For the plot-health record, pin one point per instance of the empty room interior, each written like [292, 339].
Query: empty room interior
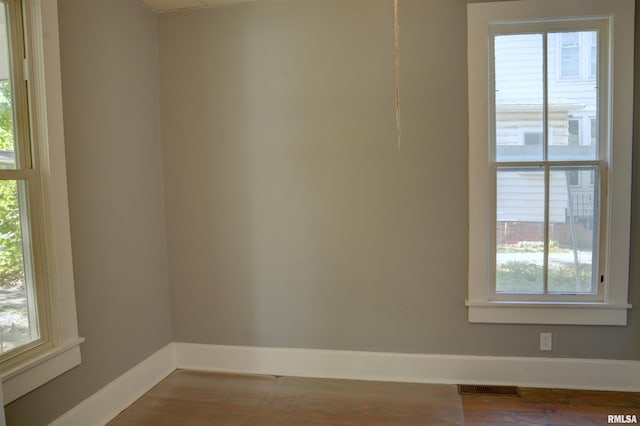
[291, 188]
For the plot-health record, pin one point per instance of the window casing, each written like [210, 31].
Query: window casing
[529, 201]
[37, 167]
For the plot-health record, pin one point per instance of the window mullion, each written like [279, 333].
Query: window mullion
[546, 228]
[545, 100]
[545, 157]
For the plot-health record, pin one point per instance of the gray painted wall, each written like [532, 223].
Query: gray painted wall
[110, 96]
[293, 218]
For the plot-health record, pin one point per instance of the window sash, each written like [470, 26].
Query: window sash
[37, 291]
[600, 162]
[546, 168]
[27, 171]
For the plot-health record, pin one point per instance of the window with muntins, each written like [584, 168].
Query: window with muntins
[542, 246]
[24, 321]
[38, 327]
[544, 243]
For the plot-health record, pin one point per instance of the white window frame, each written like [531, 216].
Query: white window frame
[612, 309]
[42, 68]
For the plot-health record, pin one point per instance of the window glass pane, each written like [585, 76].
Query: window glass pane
[571, 102]
[593, 59]
[18, 316]
[520, 212]
[518, 97]
[7, 146]
[572, 227]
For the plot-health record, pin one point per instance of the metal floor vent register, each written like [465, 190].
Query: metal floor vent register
[488, 390]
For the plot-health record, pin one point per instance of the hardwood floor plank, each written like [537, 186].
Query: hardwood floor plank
[549, 407]
[195, 398]
[363, 402]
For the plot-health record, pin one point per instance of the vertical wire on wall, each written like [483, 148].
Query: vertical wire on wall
[396, 39]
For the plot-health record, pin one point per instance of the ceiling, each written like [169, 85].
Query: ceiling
[168, 5]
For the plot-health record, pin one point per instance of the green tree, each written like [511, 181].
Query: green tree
[11, 262]
[6, 117]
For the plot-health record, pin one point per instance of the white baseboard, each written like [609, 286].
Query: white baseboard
[109, 401]
[566, 373]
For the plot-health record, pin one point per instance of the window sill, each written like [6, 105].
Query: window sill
[547, 313]
[40, 370]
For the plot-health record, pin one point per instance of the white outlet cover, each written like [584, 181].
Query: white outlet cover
[546, 340]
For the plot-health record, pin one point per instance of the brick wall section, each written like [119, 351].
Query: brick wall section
[515, 232]
[511, 233]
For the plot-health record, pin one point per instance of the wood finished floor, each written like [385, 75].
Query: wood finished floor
[194, 398]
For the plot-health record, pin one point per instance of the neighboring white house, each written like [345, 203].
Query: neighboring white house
[572, 67]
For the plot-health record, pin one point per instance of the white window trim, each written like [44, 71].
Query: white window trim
[47, 126]
[613, 310]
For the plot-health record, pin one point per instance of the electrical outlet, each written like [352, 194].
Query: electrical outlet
[545, 341]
